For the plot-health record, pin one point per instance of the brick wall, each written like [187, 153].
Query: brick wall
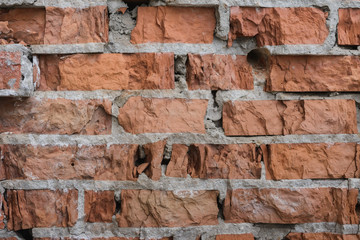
[179, 120]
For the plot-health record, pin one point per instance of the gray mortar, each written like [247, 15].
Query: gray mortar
[68, 48]
[121, 25]
[26, 87]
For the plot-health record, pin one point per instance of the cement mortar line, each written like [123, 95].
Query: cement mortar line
[172, 138]
[53, 3]
[68, 48]
[94, 230]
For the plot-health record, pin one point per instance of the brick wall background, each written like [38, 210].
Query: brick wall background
[178, 119]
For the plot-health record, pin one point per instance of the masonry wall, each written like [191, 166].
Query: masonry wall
[176, 119]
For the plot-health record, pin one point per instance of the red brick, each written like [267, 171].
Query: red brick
[247, 236]
[161, 115]
[314, 73]
[270, 117]
[154, 153]
[289, 206]
[89, 72]
[349, 26]
[10, 68]
[55, 116]
[174, 24]
[41, 208]
[279, 26]
[99, 206]
[320, 236]
[230, 161]
[98, 162]
[71, 25]
[154, 208]
[218, 72]
[23, 25]
[2, 216]
[312, 161]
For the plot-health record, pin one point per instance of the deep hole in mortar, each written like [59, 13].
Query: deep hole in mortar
[259, 58]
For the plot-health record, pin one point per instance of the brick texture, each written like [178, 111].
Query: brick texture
[348, 27]
[10, 68]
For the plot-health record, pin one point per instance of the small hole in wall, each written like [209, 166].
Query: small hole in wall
[140, 157]
[133, 4]
[72, 164]
[258, 58]
[25, 234]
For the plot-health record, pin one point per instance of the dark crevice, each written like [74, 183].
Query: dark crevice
[133, 4]
[166, 155]
[140, 157]
[220, 204]
[117, 205]
[259, 58]
[25, 234]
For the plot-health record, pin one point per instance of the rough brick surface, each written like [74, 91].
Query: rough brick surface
[312, 160]
[288, 206]
[41, 208]
[314, 73]
[10, 68]
[279, 26]
[218, 72]
[235, 237]
[89, 72]
[174, 24]
[55, 116]
[349, 26]
[231, 161]
[114, 162]
[70, 25]
[2, 215]
[99, 206]
[22, 25]
[156, 115]
[321, 236]
[154, 208]
[154, 153]
[289, 117]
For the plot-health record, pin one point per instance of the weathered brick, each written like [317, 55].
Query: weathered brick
[41, 208]
[99, 206]
[279, 26]
[231, 161]
[154, 208]
[10, 68]
[291, 206]
[174, 24]
[218, 72]
[71, 25]
[89, 72]
[55, 116]
[22, 25]
[348, 28]
[100, 162]
[270, 117]
[161, 115]
[2, 216]
[321, 236]
[154, 155]
[247, 236]
[314, 73]
[312, 160]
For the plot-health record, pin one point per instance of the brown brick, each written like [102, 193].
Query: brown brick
[98, 162]
[314, 73]
[71, 25]
[154, 208]
[2, 216]
[312, 161]
[10, 68]
[55, 116]
[161, 115]
[99, 206]
[231, 161]
[349, 26]
[270, 117]
[41, 208]
[320, 236]
[279, 26]
[22, 25]
[111, 71]
[288, 206]
[218, 72]
[174, 24]
[247, 236]
[154, 153]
